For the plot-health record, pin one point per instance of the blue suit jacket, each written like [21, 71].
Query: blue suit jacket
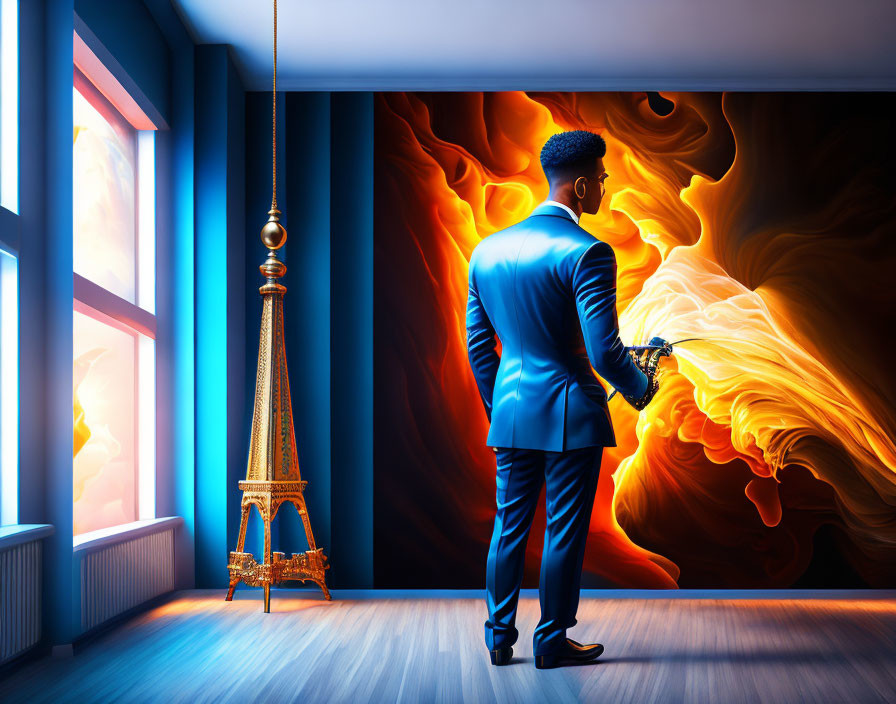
[547, 288]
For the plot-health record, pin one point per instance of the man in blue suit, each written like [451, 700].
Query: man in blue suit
[547, 289]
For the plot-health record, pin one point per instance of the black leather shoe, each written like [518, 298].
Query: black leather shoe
[501, 656]
[572, 654]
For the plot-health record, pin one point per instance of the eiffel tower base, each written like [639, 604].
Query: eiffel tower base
[309, 566]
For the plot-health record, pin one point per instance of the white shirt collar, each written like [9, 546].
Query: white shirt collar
[575, 218]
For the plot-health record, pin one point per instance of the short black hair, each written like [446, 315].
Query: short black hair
[567, 152]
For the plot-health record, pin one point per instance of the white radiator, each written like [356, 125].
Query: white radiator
[119, 576]
[20, 585]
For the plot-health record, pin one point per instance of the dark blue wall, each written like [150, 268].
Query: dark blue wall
[32, 273]
[326, 195]
[45, 284]
[175, 295]
[59, 290]
[221, 443]
[306, 131]
[351, 337]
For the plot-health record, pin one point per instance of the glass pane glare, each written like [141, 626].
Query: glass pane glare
[105, 166]
[9, 390]
[104, 405]
[9, 105]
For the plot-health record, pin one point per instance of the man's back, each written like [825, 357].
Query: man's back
[539, 284]
[547, 289]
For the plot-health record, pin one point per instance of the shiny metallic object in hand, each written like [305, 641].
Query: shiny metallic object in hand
[647, 357]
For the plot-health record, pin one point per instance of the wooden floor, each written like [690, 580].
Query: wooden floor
[197, 648]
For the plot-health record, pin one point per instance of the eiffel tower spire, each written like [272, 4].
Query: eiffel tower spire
[272, 444]
[272, 471]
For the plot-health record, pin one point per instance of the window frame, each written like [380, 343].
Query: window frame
[138, 318]
[9, 262]
[9, 105]
[9, 386]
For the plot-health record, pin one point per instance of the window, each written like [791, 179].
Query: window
[9, 284]
[105, 197]
[114, 314]
[9, 105]
[9, 390]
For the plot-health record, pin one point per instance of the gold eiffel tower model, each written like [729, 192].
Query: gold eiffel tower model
[272, 474]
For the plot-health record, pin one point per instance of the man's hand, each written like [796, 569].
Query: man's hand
[641, 403]
[653, 384]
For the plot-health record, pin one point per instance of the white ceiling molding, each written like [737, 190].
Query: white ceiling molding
[561, 45]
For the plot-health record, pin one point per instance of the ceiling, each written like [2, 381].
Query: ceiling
[557, 45]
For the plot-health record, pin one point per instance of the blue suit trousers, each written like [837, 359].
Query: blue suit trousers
[570, 481]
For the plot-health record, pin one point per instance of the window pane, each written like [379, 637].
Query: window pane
[104, 162]
[105, 456]
[9, 104]
[9, 390]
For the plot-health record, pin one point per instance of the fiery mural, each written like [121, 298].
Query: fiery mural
[763, 224]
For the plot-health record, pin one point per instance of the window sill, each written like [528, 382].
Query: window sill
[96, 539]
[10, 536]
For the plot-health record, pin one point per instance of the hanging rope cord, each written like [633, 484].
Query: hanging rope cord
[274, 120]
